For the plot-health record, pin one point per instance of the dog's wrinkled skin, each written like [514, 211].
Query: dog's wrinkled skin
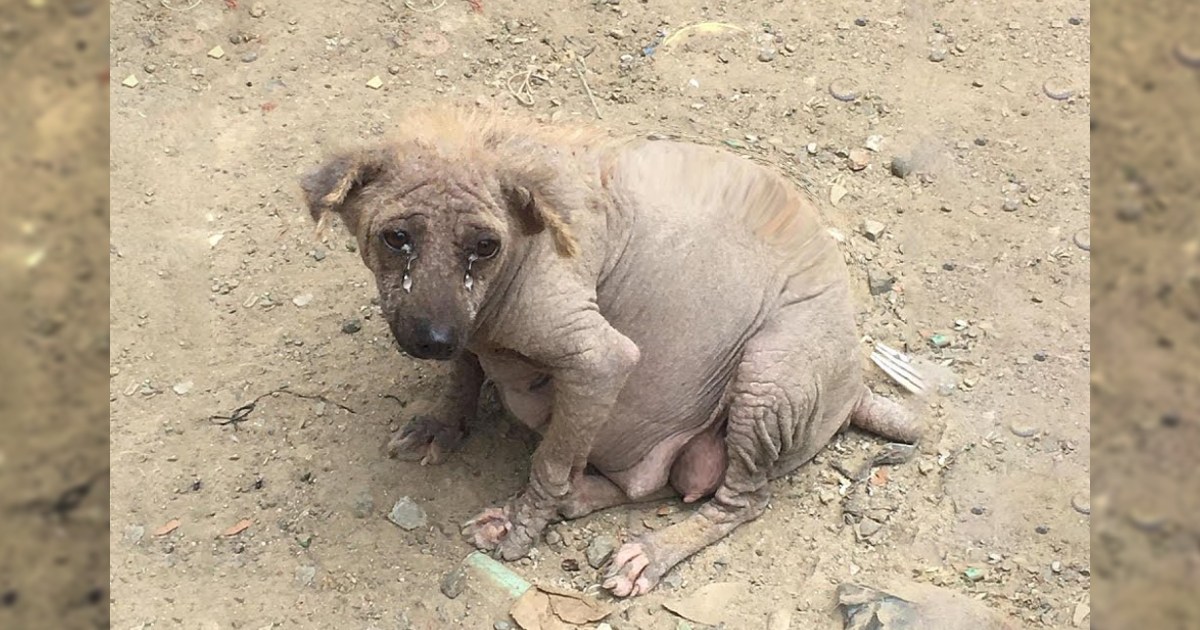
[669, 314]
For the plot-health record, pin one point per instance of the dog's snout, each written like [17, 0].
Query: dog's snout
[434, 341]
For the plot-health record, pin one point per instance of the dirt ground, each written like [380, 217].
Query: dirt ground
[222, 295]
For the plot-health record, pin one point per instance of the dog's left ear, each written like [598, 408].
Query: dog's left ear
[333, 186]
[536, 214]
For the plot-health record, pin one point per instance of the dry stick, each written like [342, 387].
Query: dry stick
[580, 69]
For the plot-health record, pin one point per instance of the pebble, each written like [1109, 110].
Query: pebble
[766, 55]
[130, 81]
[873, 143]
[860, 21]
[1074, 21]
[452, 583]
[859, 159]
[407, 515]
[217, 52]
[257, 10]
[375, 82]
[937, 55]
[1057, 88]
[873, 230]
[504, 625]
[393, 69]
[351, 326]
[869, 527]
[134, 533]
[302, 300]
[150, 68]
[1082, 503]
[1083, 239]
[879, 282]
[1042, 529]
[600, 550]
[305, 575]
[182, 388]
[843, 90]
[1011, 205]
[1022, 428]
[250, 57]
[900, 167]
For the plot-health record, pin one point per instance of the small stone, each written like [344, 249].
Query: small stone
[973, 574]
[925, 466]
[873, 230]
[149, 68]
[978, 511]
[504, 625]
[305, 575]
[375, 82]
[843, 90]
[981, 142]
[452, 583]
[1042, 530]
[257, 10]
[1082, 503]
[250, 57]
[302, 300]
[869, 527]
[1083, 239]
[130, 81]
[1074, 21]
[351, 326]
[1011, 205]
[217, 52]
[407, 515]
[393, 69]
[767, 55]
[1056, 566]
[134, 533]
[319, 254]
[879, 282]
[860, 21]
[901, 167]
[1022, 428]
[874, 142]
[937, 55]
[1057, 88]
[859, 159]
[600, 550]
[182, 388]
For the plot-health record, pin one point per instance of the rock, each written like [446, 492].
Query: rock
[351, 326]
[859, 159]
[1083, 239]
[879, 282]
[452, 583]
[302, 300]
[873, 143]
[393, 69]
[869, 527]
[1022, 428]
[873, 230]
[913, 606]
[600, 550]
[1011, 205]
[305, 575]
[1082, 503]
[900, 167]
[767, 55]
[216, 52]
[134, 533]
[843, 90]
[502, 625]
[182, 388]
[257, 10]
[375, 82]
[130, 81]
[937, 55]
[407, 515]
[250, 57]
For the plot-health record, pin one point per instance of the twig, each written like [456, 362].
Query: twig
[240, 414]
[580, 69]
[409, 5]
[67, 500]
[524, 93]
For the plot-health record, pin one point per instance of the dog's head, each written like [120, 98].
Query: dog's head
[439, 229]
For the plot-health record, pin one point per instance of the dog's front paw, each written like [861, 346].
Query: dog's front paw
[510, 531]
[426, 439]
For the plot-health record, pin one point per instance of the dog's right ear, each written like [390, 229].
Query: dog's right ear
[333, 185]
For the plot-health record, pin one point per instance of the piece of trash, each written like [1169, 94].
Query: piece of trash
[217, 52]
[546, 607]
[167, 528]
[709, 605]
[703, 28]
[913, 606]
[973, 574]
[238, 527]
[130, 81]
[938, 340]
[375, 82]
[916, 375]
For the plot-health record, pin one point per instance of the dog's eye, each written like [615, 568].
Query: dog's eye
[397, 240]
[486, 248]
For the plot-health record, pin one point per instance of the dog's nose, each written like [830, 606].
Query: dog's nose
[434, 341]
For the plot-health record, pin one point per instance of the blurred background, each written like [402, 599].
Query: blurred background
[54, 314]
[1146, 313]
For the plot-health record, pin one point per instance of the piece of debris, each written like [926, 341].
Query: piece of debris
[544, 607]
[692, 30]
[375, 82]
[452, 583]
[302, 300]
[710, 604]
[843, 90]
[130, 81]
[238, 527]
[913, 606]
[879, 282]
[182, 389]
[600, 550]
[351, 326]
[167, 528]
[873, 230]
[836, 193]
[407, 515]
[900, 167]
[858, 159]
[217, 52]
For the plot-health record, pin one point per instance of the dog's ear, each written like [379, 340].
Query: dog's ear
[535, 214]
[331, 186]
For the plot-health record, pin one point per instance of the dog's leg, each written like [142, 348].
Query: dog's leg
[590, 362]
[438, 427]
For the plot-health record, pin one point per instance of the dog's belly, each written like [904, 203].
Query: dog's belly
[525, 392]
